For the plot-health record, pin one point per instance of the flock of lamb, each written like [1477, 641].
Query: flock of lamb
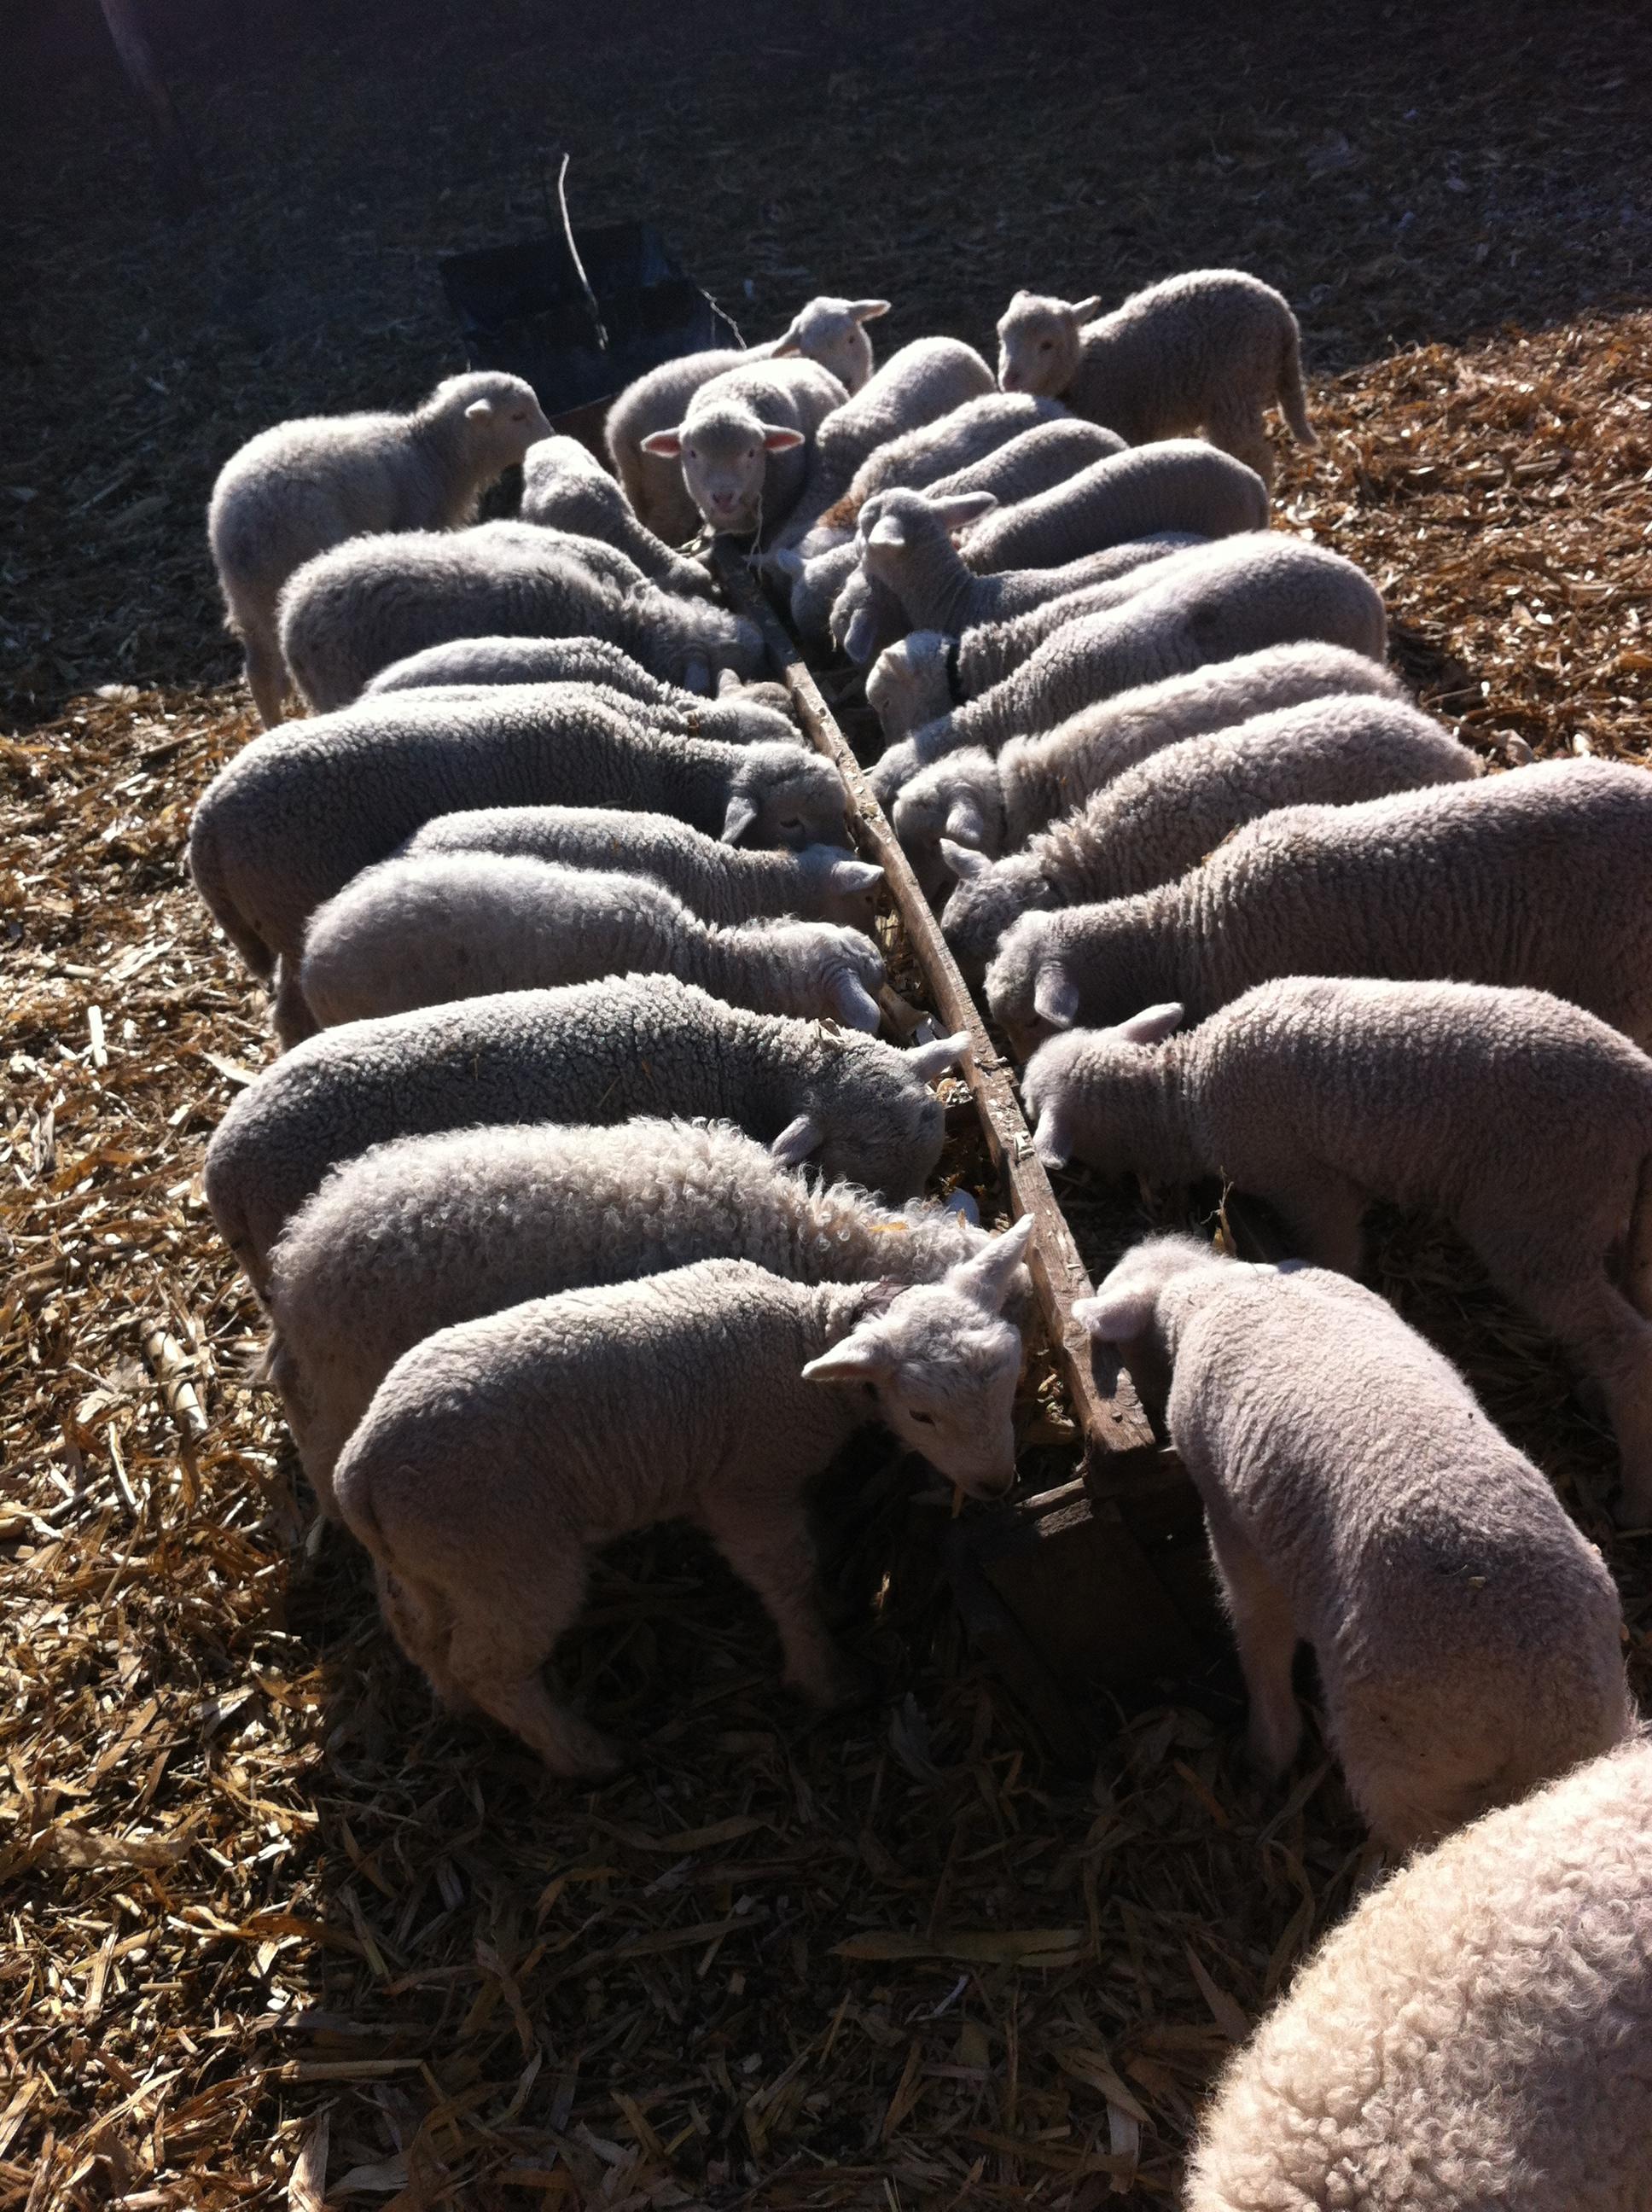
[585, 1195]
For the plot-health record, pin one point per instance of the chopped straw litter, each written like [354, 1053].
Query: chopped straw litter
[278, 1932]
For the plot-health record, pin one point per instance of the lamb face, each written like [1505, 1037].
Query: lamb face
[1038, 343]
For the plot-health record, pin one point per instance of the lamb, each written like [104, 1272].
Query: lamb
[745, 442]
[1057, 750]
[471, 660]
[907, 543]
[1034, 802]
[829, 331]
[566, 487]
[499, 1454]
[419, 930]
[1161, 817]
[855, 1107]
[719, 883]
[1475, 2033]
[1357, 1498]
[812, 584]
[916, 671]
[936, 449]
[282, 828]
[351, 612]
[745, 714]
[922, 383]
[1541, 878]
[1208, 351]
[1321, 1096]
[422, 1233]
[1212, 603]
[295, 490]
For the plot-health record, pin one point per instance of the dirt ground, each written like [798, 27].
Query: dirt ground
[275, 1930]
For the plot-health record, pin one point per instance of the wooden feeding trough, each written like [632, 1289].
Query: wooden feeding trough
[1104, 1580]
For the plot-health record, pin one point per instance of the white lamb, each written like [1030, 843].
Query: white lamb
[294, 490]
[1323, 1095]
[829, 331]
[1214, 603]
[374, 601]
[1162, 816]
[934, 450]
[1209, 350]
[745, 442]
[721, 882]
[922, 383]
[1357, 1500]
[1474, 2034]
[565, 487]
[845, 1102]
[1541, 878]
[421, 1233]
[498, 1455]
[424, 930]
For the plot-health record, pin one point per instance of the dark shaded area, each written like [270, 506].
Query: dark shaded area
[1403, 172]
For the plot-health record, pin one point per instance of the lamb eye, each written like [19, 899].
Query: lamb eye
[927, 1419]
[1044, 344]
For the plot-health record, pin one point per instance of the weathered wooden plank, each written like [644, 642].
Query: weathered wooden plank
[1127, 1475]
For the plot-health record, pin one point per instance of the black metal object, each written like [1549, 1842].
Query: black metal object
[581, 315]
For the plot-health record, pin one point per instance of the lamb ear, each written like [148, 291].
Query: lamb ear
[989, 1274]
[478, 411]
[855, 1003]
[1116, 1316]
[742, 813]
[966, 861]
[1055, 995]
[960, 507]
[1152, 1026]
[964, 825]
[861, 636]
[888, 530]
[800, 1137]
[786, 561]
[855, 875]
[786, 349]
[938, 1059]
[858, 1359]
[1051, 1139]
[664, 445]
[777, 439]
[1085, 310]
[867, 310]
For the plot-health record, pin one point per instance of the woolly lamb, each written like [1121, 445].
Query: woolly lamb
[719, 883]
[1162, 816]
[1357, 1498]
[1212, 603]
[745, 442]
[417, 931]
[934, 450]
[869, 623]
[1023, 801]
[566, 487]
[1209, 351]
[922, 383]
[812, 584]
[417, 1235]
[827, 330]
[471, 660]
[294, 490]
[282, 828]
[351, 612]
[854, 1107]
[1474, 2034]
[1321, 1096]
[1541, 878]
[906, 539]
[742, 714]
[1057, 750]
[497, 1456]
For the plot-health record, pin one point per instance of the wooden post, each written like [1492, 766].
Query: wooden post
[180, 178]
[1080, 1582]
